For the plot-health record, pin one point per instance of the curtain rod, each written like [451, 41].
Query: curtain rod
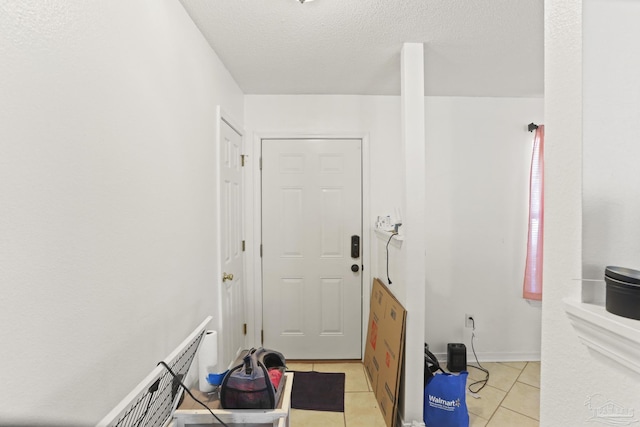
[532, 127]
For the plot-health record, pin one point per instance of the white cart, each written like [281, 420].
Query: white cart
[190, 413]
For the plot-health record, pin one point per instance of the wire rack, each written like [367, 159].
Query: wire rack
[152, 402]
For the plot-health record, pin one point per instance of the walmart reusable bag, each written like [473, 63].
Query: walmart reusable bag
[445, 404]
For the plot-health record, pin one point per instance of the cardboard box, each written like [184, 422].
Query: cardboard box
[384, 350]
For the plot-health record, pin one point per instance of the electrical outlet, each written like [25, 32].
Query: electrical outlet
[469, 320]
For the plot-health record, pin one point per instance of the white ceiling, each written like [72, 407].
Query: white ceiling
[472, 47]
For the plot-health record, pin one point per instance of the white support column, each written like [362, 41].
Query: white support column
[413, 142]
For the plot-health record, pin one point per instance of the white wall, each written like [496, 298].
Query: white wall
[605, 231]
[478, 157]
[611, 153]
[478, 160]
[107, 190]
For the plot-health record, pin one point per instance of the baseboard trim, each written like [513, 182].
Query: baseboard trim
[494, 357]
[402, 423]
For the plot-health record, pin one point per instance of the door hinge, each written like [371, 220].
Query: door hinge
[244, 328]
[260, 250]
[261, 337]
[243, 246]
[260, 163]
[242, 156]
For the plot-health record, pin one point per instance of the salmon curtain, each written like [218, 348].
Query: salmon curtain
[532, 288]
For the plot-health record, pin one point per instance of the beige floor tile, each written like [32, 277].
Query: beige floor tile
[524, 399]
[354, 374]
[300, 418]
[485, 406]
[531, 374]
[517, 365]
[299, 366]
[476, 421]
[361, 410]
[506, 418]
[500, 376]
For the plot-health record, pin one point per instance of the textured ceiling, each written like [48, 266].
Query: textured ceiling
[472, 47]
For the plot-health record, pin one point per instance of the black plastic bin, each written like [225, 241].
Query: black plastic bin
[623, 292]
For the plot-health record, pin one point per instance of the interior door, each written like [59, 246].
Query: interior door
[311, 229]
[232, 300]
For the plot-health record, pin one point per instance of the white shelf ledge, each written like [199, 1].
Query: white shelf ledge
[384, 235]
[617, 338]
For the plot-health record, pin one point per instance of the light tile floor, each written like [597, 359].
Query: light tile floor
[511, 397]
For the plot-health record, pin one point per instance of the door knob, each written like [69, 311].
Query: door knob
[355, 268]
[227, 276]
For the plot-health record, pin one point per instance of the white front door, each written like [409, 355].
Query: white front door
[232, 282]
[312, 280]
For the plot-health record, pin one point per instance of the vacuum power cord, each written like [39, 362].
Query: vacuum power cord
[175, 377]
[479, 367]
[389, 241]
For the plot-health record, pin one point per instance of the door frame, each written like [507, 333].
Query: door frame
[253, 230]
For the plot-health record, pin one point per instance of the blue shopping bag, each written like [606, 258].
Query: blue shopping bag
[445, 403]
